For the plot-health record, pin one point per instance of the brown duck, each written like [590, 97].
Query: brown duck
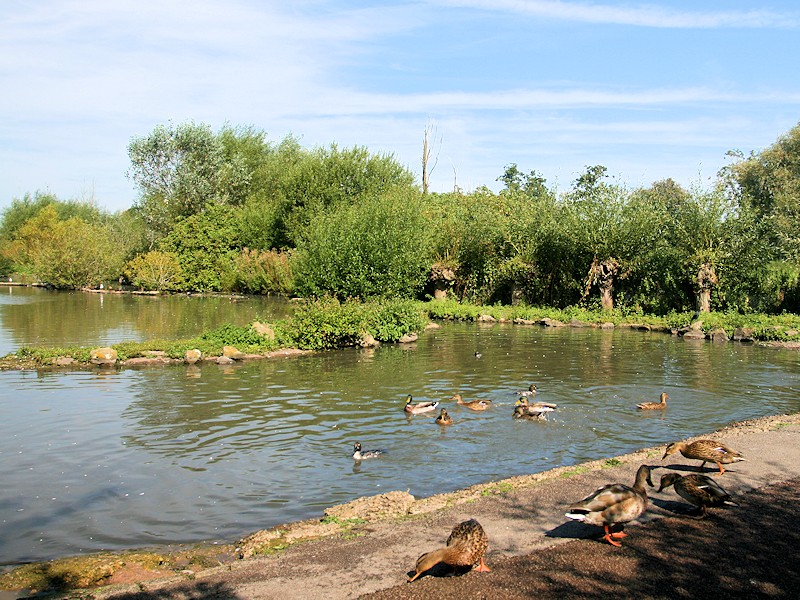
[444, 418]
[466, 546]
[707, 451]
[472, 404]
[655, 405]
[699, 490]
[613, 504]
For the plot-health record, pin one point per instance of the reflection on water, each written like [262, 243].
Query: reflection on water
[40, 317]
[175, 454]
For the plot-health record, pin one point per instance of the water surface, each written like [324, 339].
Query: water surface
[141, 457]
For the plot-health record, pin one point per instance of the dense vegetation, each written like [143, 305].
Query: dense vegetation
[232, 211]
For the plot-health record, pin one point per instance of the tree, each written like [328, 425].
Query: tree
[375, 248]
[66, 254]
[180, 170]
[607, 231]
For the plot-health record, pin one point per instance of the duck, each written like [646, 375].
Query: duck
[360, 454]
[419, 407]
[538, 410]
[531, 391]
[707, 451]
[614, 504]
[472, 404]
[465, 546]
[521, 413]
[699, 490]
[655, 405]
[444, 418]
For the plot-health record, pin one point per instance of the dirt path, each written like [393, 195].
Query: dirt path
[746, 551]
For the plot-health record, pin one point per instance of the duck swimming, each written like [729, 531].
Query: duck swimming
[359, 454]
[444, 418]
[707, 451]
[419, 407]
[537, 410]
[613, 504]
[699, 490]
[472, 404]
[466, 546]
[654, 405]
[530, 392]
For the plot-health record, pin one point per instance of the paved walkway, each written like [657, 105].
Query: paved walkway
[520, 523]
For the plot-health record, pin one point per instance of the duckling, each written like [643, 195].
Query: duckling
[531, 391]
[613, 504]
[466, 546]
[699, 490]
[655, 405]
[359, 454]
[707, 451]
[472, 404]
[444, 418]
[538, 410]
[419, 407]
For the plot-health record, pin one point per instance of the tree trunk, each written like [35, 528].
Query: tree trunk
[606, 273]
[706, 279]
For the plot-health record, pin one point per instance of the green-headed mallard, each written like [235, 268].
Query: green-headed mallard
[699, 490]
[530, 392]
[359, 454]
[655, 405]
[419, 407]
[444, 418]
[614, 504]
[538, 410]
[472, 404]
[707, 451]
[466, 546]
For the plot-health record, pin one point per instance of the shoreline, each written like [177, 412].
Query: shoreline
[375, 518]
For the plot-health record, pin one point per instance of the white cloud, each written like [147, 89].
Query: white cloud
[637, 15]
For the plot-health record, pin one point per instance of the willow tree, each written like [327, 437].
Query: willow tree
[608, 232]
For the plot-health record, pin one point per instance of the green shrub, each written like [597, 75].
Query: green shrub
[375, 248]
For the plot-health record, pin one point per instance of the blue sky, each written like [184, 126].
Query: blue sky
[648, 89]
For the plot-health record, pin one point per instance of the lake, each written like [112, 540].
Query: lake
[95, 460]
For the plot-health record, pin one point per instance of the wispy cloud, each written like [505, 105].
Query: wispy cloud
[638, 15]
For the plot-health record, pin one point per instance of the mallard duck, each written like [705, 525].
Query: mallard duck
[699, 490]
[419, 407]
[359, 454]
[655, 405]
[520, 412]
[531, 391]
[466, 546]
[537, 410]
[444, 418]
[707, 451]
[614, 504]
[472, 404]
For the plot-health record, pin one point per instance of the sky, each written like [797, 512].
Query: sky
[650, 90]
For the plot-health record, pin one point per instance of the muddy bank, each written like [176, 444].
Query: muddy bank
[370, 544]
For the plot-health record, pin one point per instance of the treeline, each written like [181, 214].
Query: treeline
[232, 211]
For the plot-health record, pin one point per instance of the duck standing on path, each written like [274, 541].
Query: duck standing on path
[360, 454]
[472, 404]
[466, 546]
[699, 490]
[613, 504]
[444, 418]
[655, 405]
[707, 451]
[419, 407]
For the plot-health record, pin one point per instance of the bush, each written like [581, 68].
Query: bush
[155, 271]
[376, 248]
[260, 272]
